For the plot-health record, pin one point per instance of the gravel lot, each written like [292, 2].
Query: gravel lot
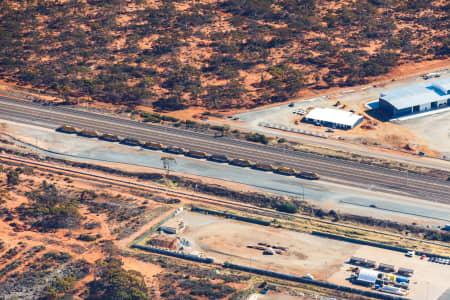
[227, 240]
[434, 129]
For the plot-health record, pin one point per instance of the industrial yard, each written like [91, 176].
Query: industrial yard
[335, 117]
[288, 252]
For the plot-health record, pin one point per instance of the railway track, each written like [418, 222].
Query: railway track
[196, 197]
[334, 170]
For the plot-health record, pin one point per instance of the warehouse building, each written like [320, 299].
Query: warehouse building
[416, 99]
[333, 118]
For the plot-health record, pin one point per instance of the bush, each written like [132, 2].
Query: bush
[61, 257]
[287, 207]
[12, 177]
[152, 119]
[117, 283]
[88, 237]
[51, 208]
[258, 138]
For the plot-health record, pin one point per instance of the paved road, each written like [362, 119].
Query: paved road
[333, 170]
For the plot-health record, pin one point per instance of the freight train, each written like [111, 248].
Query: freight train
[192, 153]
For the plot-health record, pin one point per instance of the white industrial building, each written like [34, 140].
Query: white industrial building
[416, 99]
[334, 118]
[367, 277]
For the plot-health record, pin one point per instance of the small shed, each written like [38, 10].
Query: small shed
[367, 277]
[405, 271]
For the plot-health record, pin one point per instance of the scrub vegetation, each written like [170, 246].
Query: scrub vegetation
[215, 54]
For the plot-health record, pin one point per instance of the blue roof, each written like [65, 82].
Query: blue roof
[418, 94]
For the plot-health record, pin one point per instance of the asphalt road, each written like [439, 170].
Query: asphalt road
[330, 169]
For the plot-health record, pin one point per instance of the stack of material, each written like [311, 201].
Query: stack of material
[164, 241]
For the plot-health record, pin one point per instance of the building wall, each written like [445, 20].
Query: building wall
[425, 107]
[333, 125]
[386, 107]
[393, 112]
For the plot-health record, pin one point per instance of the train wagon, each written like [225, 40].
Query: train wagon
[286, 171]
[154, 146]
[308, 175]
[89, 133]
[197, 154]
[132, 142]
[175, 150]
[219, 158]
[110, 137]
[241, 162]
[264, 167]
[67, 129]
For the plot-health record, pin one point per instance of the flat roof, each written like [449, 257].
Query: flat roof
[417, 94]
[367, 275]
[334, 116]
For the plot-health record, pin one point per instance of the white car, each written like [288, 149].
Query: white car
[410, 253]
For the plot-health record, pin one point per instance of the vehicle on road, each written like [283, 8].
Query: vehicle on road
[67, 129]
[154, 146]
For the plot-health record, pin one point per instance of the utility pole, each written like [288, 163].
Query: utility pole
[303, 192]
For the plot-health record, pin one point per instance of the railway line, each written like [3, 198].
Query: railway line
[196, 197]
[334, 170]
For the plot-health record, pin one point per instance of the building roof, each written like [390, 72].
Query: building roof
[443, 85]
[334, 116]
[367, 275]
[417, 94]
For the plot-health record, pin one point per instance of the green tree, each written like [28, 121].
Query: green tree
[114, 283]
[288, 207]
[12, 177]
